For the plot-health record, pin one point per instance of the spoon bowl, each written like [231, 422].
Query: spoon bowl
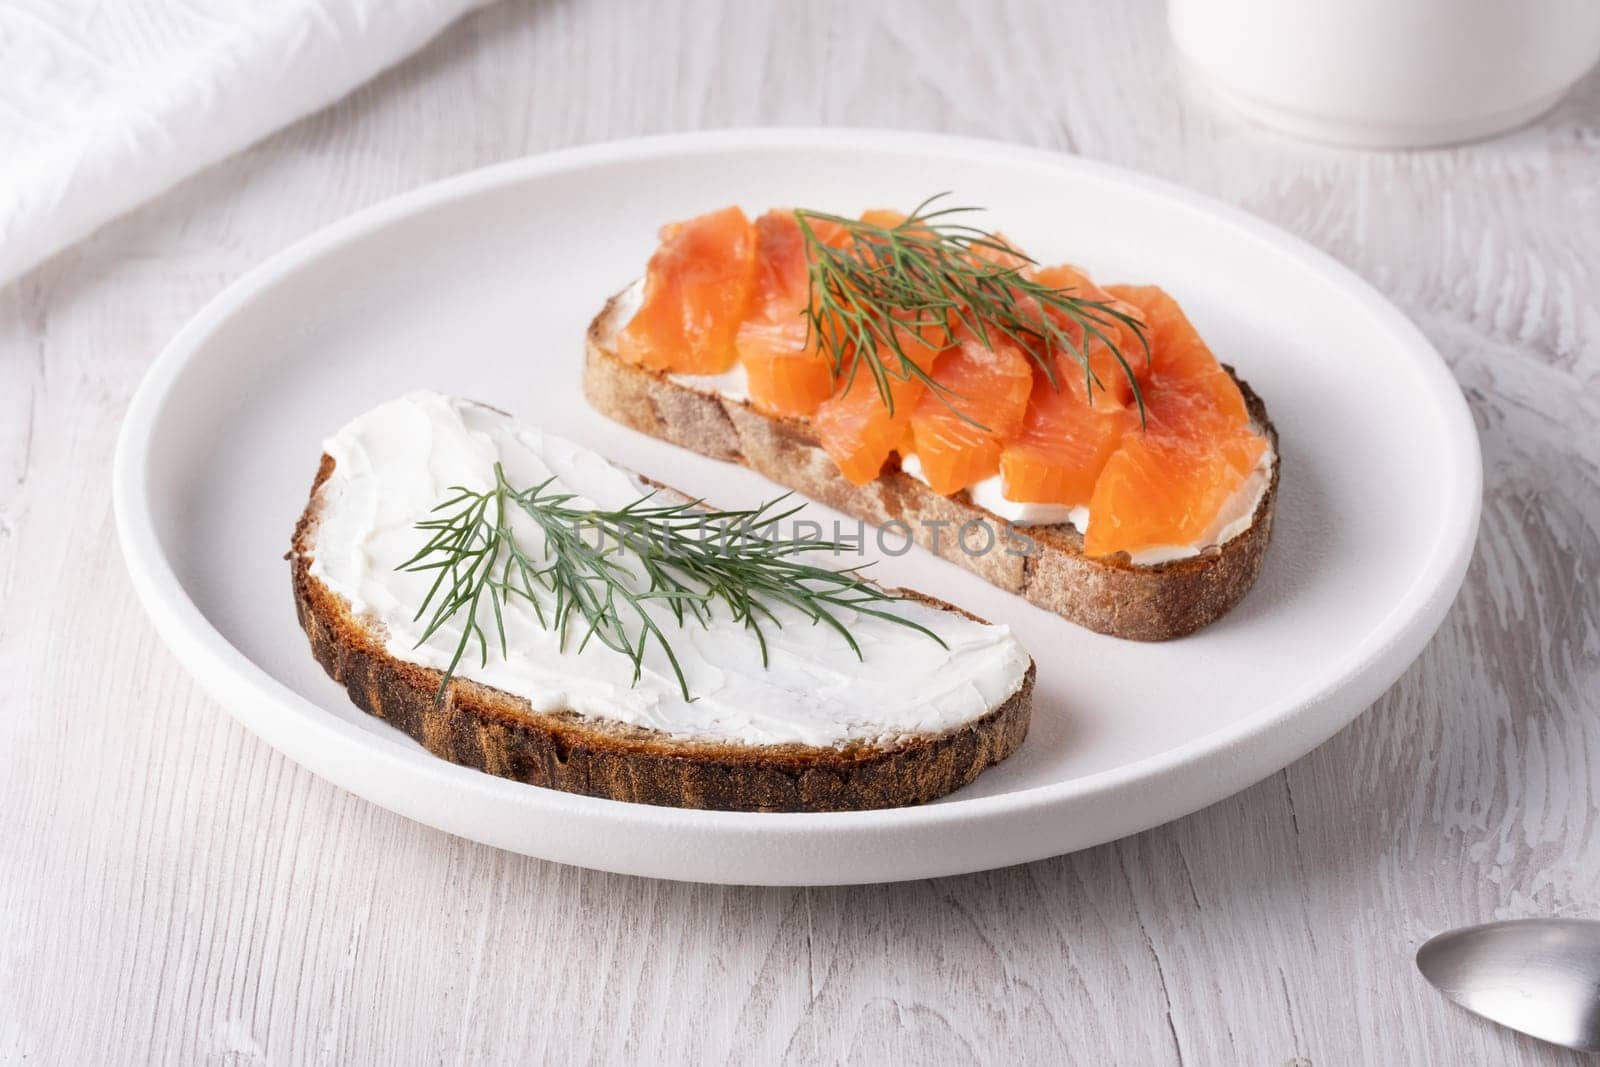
[1539, 976]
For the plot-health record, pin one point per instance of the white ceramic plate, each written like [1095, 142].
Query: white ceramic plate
[482, 285]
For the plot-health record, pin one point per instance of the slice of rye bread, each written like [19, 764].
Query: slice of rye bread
[491, 730]
[1111, 595]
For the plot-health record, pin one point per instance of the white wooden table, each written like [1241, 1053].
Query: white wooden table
[171, 889]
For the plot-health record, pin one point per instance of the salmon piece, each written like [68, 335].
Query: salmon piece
[697, 289]
[1007, 257]
[1189, 410]
[1064, 443]
[883, 217]
[782, 278]
[1158, 489]
[786, 376]
[1179, 355]
[786, 372]
[1176, 348]
[982, 397]
[1166, 485]
[1113, 389]
[1189, 393]
[858, 430]
[879, 217]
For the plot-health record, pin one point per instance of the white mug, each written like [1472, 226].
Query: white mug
[1388, 73]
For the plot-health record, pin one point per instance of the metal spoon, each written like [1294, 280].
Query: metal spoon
[1539, 976]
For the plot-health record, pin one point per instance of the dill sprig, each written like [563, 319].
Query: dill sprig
[598, 570]
[885, 286]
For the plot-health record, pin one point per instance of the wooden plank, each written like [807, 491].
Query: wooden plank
[173, 890]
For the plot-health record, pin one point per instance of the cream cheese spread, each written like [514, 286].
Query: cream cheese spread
[733, 384]
[396, 462]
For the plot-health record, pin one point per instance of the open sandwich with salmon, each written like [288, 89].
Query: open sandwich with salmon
[1077, 444]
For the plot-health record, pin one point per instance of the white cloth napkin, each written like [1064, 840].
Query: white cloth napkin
[105, 103]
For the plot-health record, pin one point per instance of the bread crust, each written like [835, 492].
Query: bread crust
[493, 731]
[1142, 602]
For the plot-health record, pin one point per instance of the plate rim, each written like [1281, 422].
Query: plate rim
[1382, 655]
